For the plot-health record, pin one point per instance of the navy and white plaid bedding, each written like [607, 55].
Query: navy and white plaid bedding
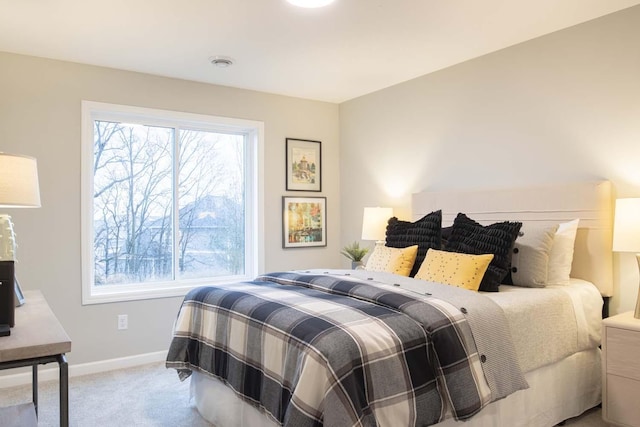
[311, 350]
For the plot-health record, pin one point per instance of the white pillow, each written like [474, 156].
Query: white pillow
[561, 255]
[530, 258]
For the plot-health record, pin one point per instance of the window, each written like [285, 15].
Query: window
[170, 201]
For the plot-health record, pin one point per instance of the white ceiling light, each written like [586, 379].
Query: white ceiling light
[310, 3]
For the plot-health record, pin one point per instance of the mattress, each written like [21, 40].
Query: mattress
[556, 333]
[556, 392]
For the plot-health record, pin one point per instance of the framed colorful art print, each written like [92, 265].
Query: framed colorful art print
[304, 222]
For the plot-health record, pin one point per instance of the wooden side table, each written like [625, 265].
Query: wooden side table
[621, 370]
[37, 339]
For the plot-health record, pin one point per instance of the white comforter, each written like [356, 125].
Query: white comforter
[551, 323]
[547, 324]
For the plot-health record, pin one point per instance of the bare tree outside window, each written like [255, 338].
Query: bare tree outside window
[170, 201]
[211, 201]
[142, 176]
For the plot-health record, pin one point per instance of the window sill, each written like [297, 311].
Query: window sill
[119, 293]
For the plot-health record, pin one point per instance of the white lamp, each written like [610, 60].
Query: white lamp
[374, 223]
[626, 233]
[18, 189]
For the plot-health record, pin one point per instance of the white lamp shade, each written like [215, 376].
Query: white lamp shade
[374, 223]
[19, 181]
[626, 227]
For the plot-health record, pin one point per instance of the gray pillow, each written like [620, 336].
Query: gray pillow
[530, 258]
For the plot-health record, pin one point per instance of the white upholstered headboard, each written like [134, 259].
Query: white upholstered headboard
[591, 202]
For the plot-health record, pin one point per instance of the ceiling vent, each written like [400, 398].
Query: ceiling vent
[221, 61]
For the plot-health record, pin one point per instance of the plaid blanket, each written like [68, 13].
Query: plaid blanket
[311, 350]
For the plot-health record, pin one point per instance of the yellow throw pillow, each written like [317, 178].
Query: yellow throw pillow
[392, 260]
[456, 269]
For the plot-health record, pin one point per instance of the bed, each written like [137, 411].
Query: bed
[555, 330]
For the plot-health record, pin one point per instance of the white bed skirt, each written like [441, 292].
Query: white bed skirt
[557, 392]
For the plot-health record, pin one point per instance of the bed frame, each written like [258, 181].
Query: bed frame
[557, 391]
[569, 387]
[592, 202]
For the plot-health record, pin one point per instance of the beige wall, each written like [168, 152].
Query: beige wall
[561, 108]
[40, 116]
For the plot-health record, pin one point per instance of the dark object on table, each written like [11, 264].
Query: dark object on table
[7, 290]
[5, 330]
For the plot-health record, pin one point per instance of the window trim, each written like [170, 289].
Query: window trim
[254, 199]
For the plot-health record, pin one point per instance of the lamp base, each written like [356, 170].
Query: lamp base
[636, 314]
[8, 253]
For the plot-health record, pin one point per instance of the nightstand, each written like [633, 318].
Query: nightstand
[37, 339]
[621, 370]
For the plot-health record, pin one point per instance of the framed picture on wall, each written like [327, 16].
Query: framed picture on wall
[304, 222]
[304, 165]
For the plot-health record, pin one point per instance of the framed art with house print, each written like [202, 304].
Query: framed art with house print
[304, 165]
[304, 222]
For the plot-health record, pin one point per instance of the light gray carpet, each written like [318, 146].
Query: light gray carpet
[149, 395]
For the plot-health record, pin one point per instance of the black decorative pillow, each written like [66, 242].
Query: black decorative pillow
[425, 233]
[446, 235]
[467, 236]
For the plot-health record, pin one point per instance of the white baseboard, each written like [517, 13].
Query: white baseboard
[84, 368]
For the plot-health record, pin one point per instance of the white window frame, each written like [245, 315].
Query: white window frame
[254, 197]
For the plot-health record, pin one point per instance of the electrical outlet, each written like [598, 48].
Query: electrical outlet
[123, 321]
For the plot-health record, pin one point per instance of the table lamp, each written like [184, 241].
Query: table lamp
[374, 224]
[18, 189]
[626, 233]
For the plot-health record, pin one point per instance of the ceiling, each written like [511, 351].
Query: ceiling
[336, 53]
